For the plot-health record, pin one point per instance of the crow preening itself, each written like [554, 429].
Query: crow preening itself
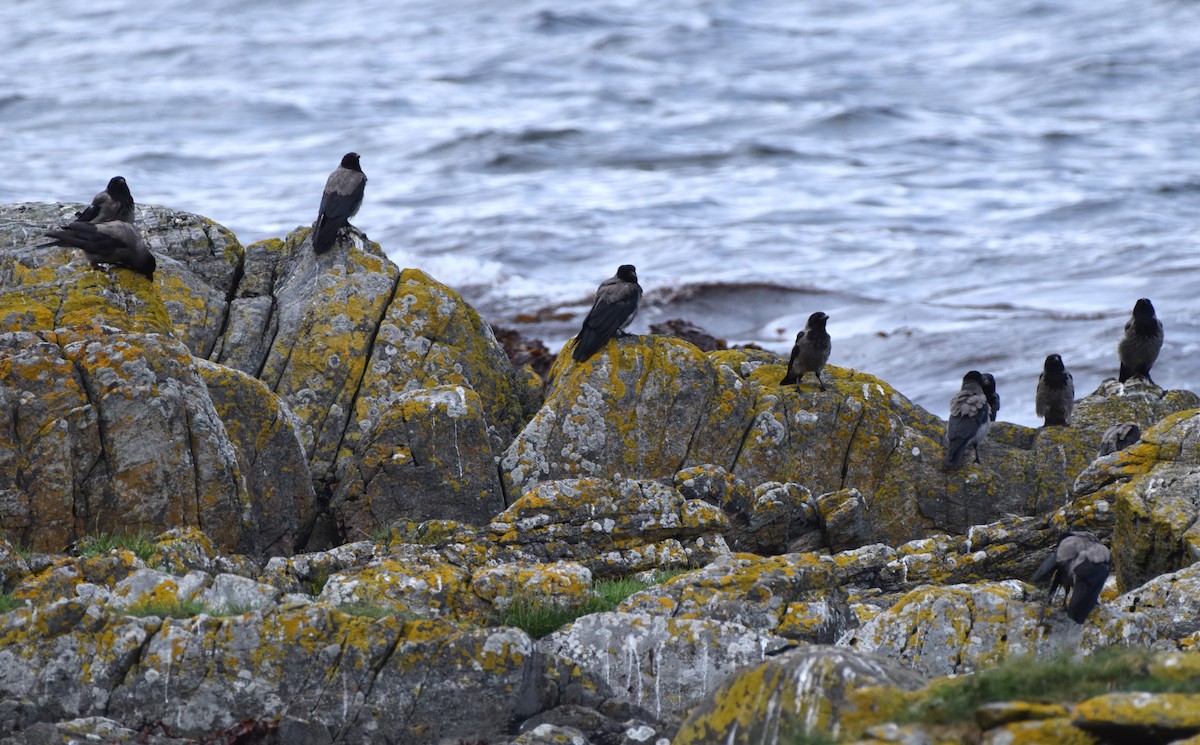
[1055, 392]
[342, 197]
[811, 351]
[989, 390]
[1080, 564]
[1119, 437]
[114, 203]
[1140, 346]
[970, 417]
[614, 309]
[114, 242]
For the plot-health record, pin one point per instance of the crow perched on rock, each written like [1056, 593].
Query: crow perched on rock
[114, 242]
[1055, 392]
[1143, 339]
[810, 352]
[114, 203]
[1080, 564]
[989, 390]
[1119, 437]
[614, 309]
[342, 197]
[970, 417]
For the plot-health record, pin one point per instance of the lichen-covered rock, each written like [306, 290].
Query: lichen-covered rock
[69, 578]
[1135, 400]
[181, 550]
[426, 458]
[803, 691]
[1155, 487]
[795, 596]
[430, 338]
[1054, 731]
[956, 629]
[663, 664]
[327, 311]
[308, 573]
[782, 517]
[416, 581]
[1136, 717]
[1164, 612]
[402, 394]
[612, 527]
[48, 287]
[271, 459]
[565, 584]
[86, 729]
[645, 407]
[116, 432]
[372, 682]
[1000, 713]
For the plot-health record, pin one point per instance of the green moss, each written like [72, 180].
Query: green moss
[8, 602]
[141, 544]
[1062, 679]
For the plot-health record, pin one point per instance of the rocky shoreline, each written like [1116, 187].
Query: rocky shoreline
[345, 485]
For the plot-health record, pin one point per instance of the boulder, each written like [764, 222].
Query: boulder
[426, 458]
[48, 287]
[652, 408]
[663, 664]
[645, 407]
[117, 432]
[802, 692]
[795, 596]
[611, 526]
[326, 314]
[1155, 488]
[956, 629]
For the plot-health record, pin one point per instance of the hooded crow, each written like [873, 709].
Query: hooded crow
[114, 203]
[1080, 565]
[969, 420]
[811, 351]
[1055, 393]
[114, 242]
[614, 309]
[989, 390]
[342, 197]
[1119, 437]
[1143, 339]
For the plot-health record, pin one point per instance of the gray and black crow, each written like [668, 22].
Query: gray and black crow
[1055, 393]
[114, 242]
[342, 197]
[114, 203]
[1119, 437]
[970, 417]
[614, 309]
[989, 390]
[1143, 339]
[1080, 564]
[810, 352]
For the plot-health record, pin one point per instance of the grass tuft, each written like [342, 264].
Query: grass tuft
[1061, 679]
[541, 617]
[8, 602]
[141, 544]
[166, 609]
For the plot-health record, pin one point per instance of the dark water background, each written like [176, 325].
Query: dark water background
[958, 184]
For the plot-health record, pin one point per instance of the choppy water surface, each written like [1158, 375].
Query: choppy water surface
[958, 184]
